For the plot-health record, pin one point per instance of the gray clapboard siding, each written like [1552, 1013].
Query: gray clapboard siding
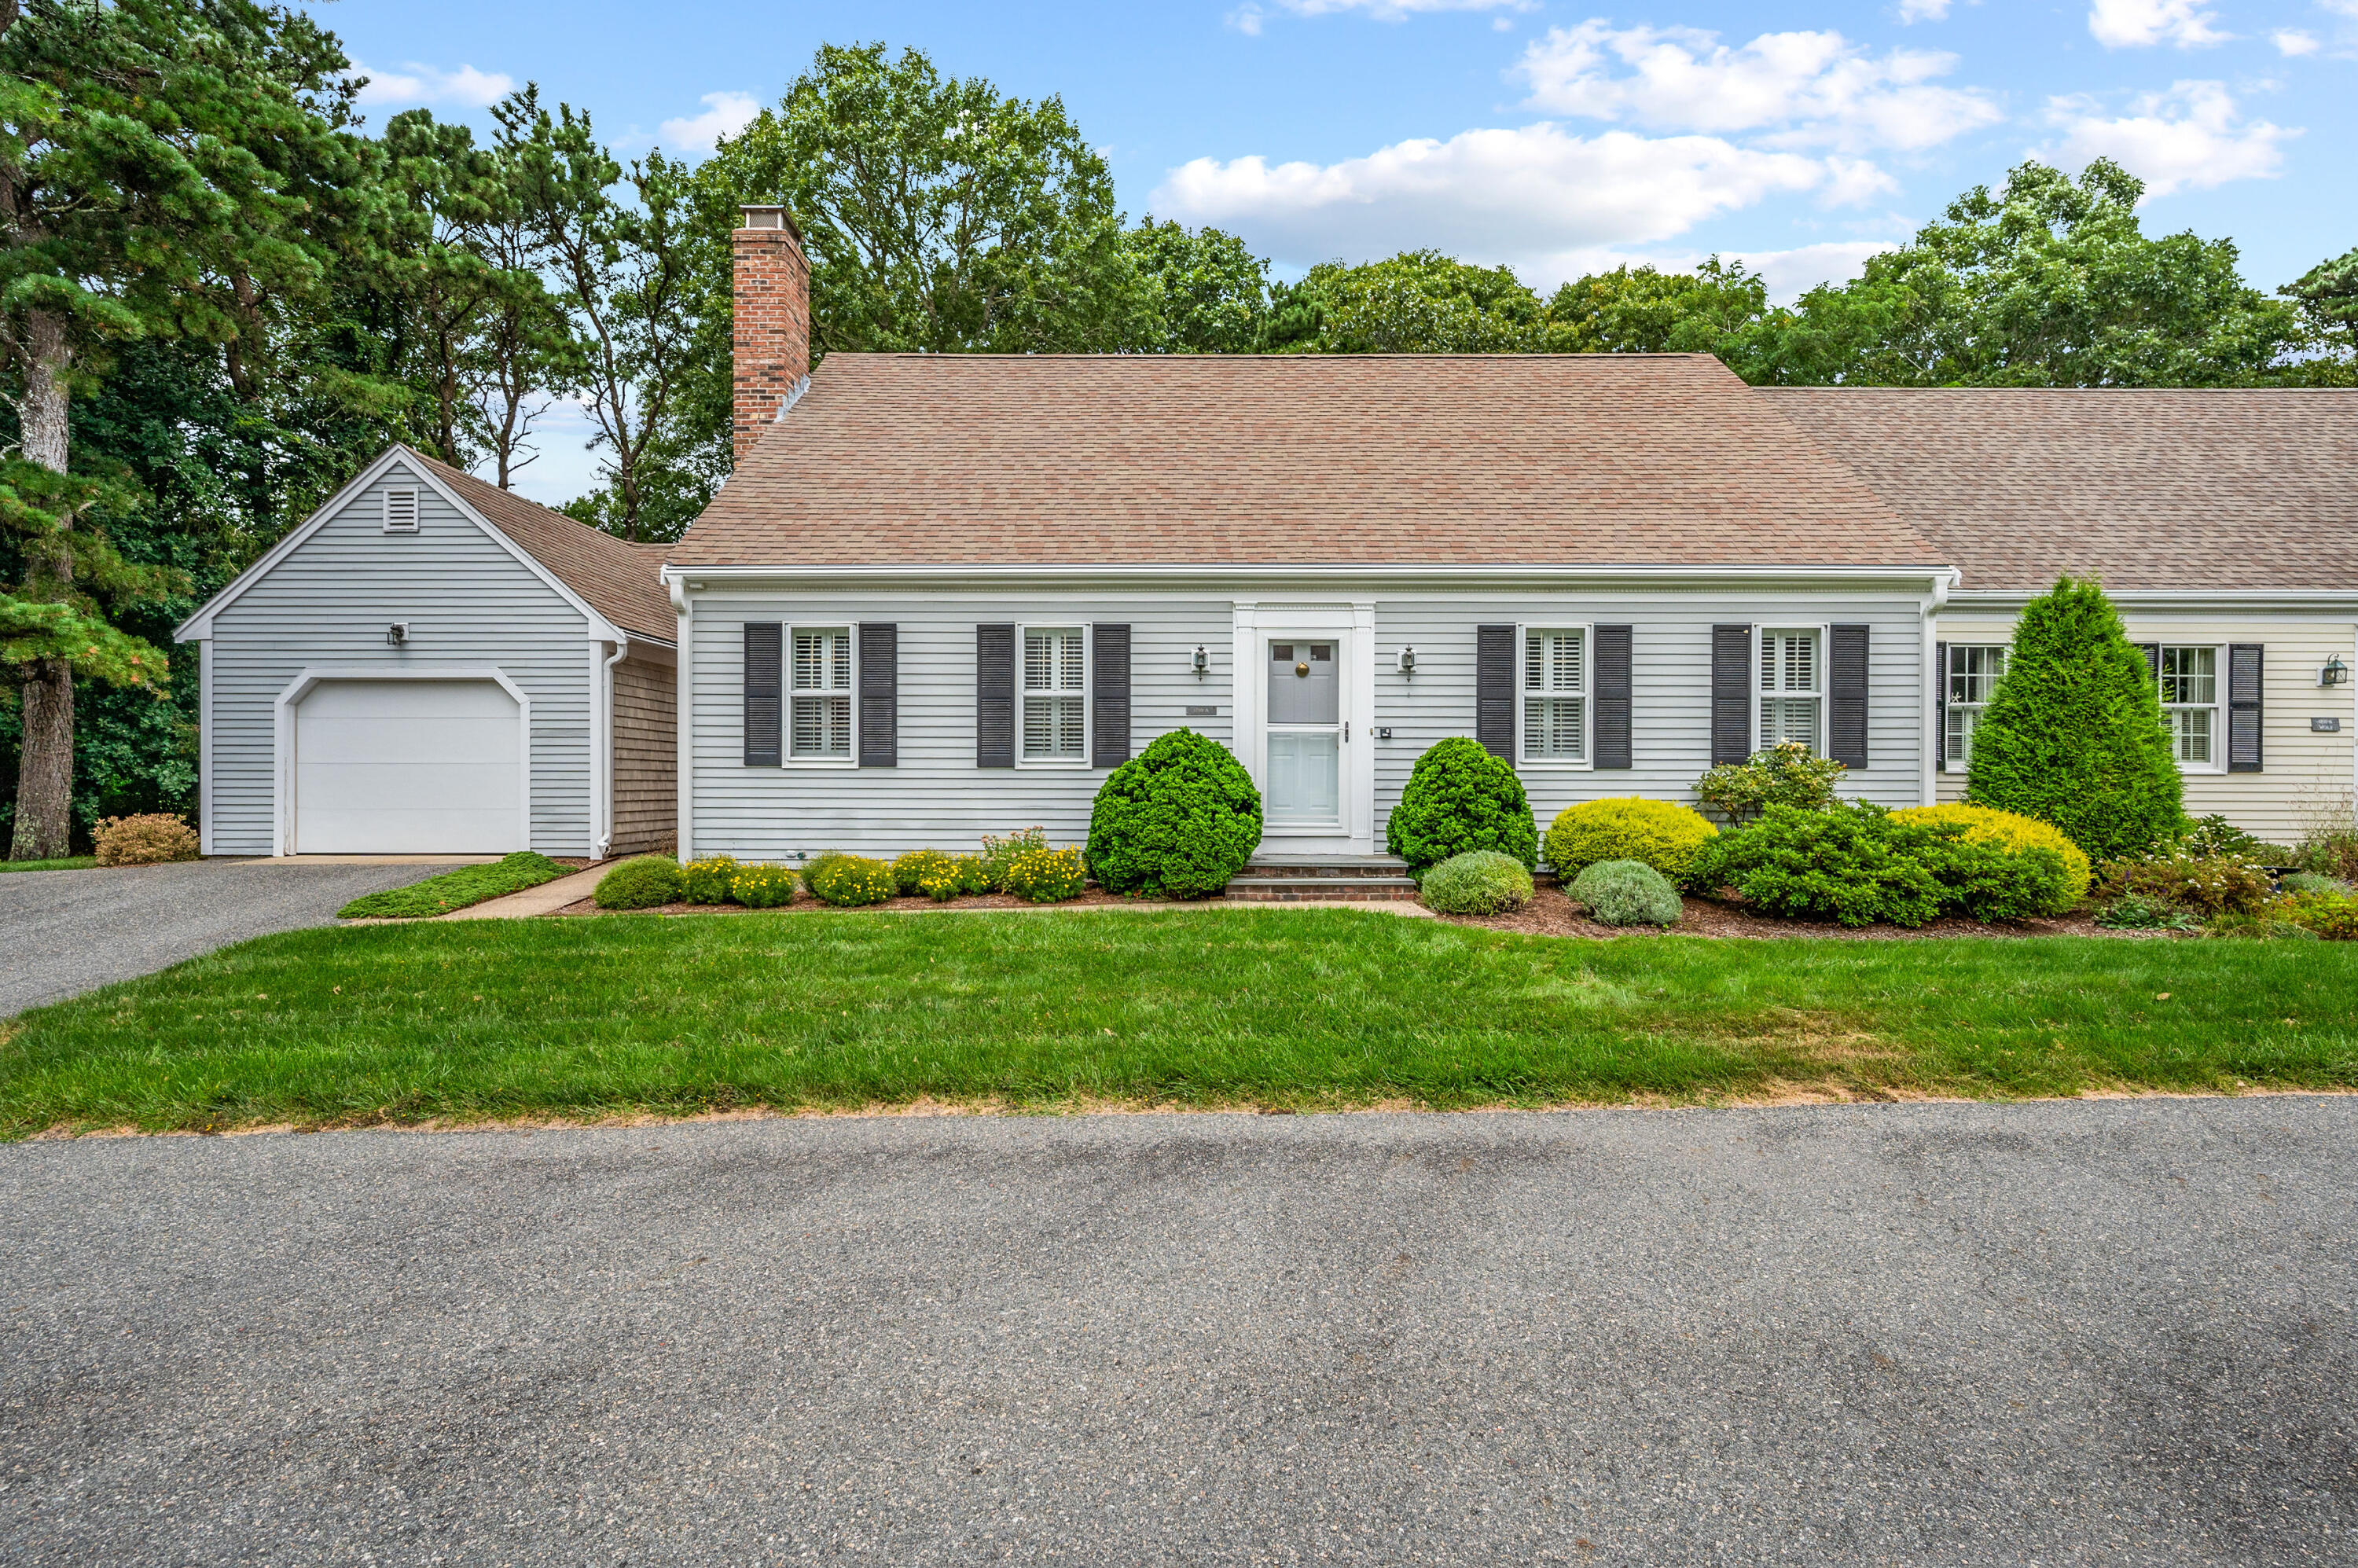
[934, 795]
[468, 601]
[1670, 671]
[938, 796]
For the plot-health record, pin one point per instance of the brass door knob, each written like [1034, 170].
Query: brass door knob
[1302, 669]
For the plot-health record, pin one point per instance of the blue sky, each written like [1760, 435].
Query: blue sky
[1549, 134]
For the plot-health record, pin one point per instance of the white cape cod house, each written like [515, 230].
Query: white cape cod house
[943, 595]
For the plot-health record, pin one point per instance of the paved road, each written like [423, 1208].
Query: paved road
[68, 932]
[2100, 1333]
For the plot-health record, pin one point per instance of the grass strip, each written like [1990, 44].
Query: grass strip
[1272, 1009]
[456, 890]
[71, 863]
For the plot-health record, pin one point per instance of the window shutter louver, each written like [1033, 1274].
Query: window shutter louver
[764, 666]
[1731, 694]
[2247, 663]
[1109, 694]
[1612, 721]
[994, 695]
[2152, 652]
[880, 694]
[1941, 707]
[1494, 690]
[1846, 695]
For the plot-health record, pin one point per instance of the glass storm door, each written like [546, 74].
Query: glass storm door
[1305, 734]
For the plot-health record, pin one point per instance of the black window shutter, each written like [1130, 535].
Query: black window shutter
[1730, 693]
[1612, 738]
[2152, 652]
[880, 699]
[1494, 690]
[1109, 694]
[2245, 663]
[1941, 707]
[1846, 695]
[994, 695]
[762, 665]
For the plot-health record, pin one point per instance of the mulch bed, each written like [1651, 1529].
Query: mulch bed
[1551, 914]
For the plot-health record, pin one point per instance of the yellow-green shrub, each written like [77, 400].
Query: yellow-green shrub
[761, 887]
[2331, 916]
[708, 881]
[910, 871]
[1047, 876]
[1627, 828]
[845, 880]
[2008, 830]
[150, 839]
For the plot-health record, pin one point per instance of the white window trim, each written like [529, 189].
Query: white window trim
[417, 509]
[2217, 706]
[1587, 762]
[1950, 704]
[1823, 631]
[787, 758]
[1088, 696]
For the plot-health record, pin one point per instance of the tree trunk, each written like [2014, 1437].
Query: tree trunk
[45, 758]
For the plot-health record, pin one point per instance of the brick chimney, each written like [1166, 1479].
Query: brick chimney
[772, 349]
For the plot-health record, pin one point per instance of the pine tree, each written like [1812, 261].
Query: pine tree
[2074, 735]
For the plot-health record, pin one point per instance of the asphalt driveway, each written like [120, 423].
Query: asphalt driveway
[68, 932]
[2090, 1333]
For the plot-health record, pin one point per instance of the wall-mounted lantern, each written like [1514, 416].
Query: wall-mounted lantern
[2334, 673]
[1407, 662]
[1202, 662]
[396, 634]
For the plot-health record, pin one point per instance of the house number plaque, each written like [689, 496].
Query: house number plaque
[2326, 726]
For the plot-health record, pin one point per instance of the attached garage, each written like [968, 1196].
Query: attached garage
[410, 766]
[431, 664]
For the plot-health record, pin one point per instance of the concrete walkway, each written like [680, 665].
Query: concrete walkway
[546, 899]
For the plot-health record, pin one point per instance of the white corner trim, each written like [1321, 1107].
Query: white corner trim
[204, 745]
[200, 625]
[683, 696]
[282, 740]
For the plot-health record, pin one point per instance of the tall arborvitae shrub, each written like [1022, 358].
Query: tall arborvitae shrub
[2074, 735]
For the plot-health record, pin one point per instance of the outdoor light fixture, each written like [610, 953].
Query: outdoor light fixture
[1407, 661]
[2334, 673]
[396, 634]
[1202, 662]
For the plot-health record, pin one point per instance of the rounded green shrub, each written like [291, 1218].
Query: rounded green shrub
[2074, 735]
[910, 870]
[1047, 876]
[1852, 864]
[1460, 797]
[1627, 828]
[972, 875]
[1626, 893]
[707, 880]
[848, 880]
[1480, 882]
[762, 887]
[1175, 821]
[1787, 774]
[646, 882]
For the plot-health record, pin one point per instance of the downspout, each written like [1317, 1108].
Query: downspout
[605, 841]
[683, 689]
[1933, 739]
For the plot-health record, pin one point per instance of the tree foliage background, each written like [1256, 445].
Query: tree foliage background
[259, 291]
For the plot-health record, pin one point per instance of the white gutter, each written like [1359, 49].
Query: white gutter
[2173, 599]
[1941, 577]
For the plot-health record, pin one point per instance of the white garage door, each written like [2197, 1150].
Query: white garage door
[407, 767]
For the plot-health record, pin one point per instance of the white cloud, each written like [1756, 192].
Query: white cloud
[1496, 195]
[2188, 139]
[725, 115]
[1399, 10]
[415, 84]
[2140, 23]
[1799, 89]
[1912, 11]
[1789, 275]
[2291, 42]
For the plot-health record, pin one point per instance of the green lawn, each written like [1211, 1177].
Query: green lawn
[72, 863]
[456, 889]
[584, 1018]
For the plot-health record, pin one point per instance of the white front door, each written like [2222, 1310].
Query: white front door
[1303, 713]
[401, 767]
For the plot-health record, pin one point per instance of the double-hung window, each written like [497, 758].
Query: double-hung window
[819, 727]
[2190, 702]
[1974, 669]
[1792, 697]
[1555, 696]
[1055, 685]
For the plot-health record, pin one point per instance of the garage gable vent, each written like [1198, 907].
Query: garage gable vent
[401, 512]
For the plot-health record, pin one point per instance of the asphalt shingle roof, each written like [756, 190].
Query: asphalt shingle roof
[616, 578]
[945, 461]
[2191, 491]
